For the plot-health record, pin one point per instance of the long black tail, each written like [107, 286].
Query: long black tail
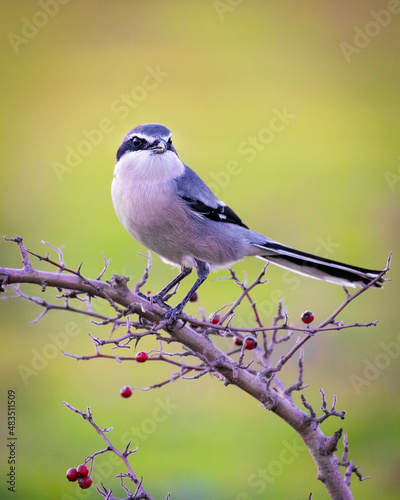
[317, 267]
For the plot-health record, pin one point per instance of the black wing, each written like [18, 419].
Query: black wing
[222, 213]
[193, 190]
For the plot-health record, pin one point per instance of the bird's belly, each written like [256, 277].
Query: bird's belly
[174, 233]
[146, 214]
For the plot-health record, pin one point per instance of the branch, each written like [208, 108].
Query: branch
[349, 298]
[245, 293]
[140, 491]
[350, 468]
[262, 384]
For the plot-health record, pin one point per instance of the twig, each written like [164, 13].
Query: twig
[106, 265]
[349, 298]
[298, 386]
[52, 307]
[23, 251]
[60, 254]
[245, 292]
[145, 275]
[332, 411]
[350, 468]
[110, 447]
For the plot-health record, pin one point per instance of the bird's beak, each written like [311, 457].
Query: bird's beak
[160, 147]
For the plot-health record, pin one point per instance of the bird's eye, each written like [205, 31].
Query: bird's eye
[137, 142]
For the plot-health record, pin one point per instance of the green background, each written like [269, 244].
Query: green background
[329, 181]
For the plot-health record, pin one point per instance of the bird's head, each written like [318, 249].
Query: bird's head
[150, 138]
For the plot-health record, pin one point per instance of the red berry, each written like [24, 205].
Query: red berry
[237, 341]
[194, 297]
[141, 357]
[72, 474]
[126, 391]
[215, 319]
[82, 470]
[250, 344]
[307, 317]
[85, 482]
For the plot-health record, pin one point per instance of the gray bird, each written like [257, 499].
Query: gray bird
[165, 206]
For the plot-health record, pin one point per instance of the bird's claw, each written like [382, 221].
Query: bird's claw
[158, 299]
[172, 314]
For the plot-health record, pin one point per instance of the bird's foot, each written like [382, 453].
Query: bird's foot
[171, 317]
[173, 313]
[158, 299]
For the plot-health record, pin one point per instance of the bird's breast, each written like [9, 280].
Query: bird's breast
[147, 206]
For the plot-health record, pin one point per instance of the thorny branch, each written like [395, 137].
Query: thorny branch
[140, 492]
[259, 379]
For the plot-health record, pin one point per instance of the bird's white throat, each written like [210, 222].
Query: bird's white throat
[145, 166]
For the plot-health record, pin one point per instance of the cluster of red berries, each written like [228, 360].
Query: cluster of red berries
[250, 343]
[80, 474]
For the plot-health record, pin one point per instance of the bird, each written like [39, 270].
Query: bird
[170, 210]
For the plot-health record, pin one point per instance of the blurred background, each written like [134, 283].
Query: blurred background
[291, 112]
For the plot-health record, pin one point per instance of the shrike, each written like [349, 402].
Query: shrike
[165, 205]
